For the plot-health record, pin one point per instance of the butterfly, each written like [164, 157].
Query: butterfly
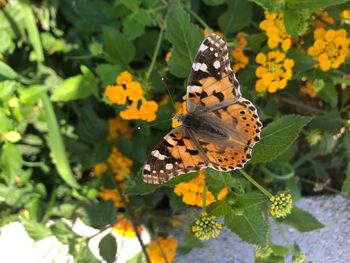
[220, 127]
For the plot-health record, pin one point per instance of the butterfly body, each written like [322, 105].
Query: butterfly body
[220, 128]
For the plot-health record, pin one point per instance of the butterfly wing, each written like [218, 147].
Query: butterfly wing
[211, 80]
[241, 122]
[176, 154]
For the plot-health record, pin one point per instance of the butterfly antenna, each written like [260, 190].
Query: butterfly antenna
[169, 91]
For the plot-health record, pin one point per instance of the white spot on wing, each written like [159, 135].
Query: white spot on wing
[195, 88]
[147, 167]
[158, 155]
[169, 166]
[203, 47]
[199, 66]
[216, 64]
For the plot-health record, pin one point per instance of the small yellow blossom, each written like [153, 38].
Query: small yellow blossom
[134, 91]
[345, 14]
[14, 102]
[120, 164]
[299, 259]
[100, 168]
[330, 48]
[281, 205]
[123, 78]
[168, 55]
[308, 90]
[240, 59]
[162, 247]
[12, 136]
[116, 94]
[275, 71]
[206, 227]
[148, 110]
[263, 252]
[124, 227]
[180, 109]
[192, 191]
[322, 19]
[117, 127]
[112, 194]
[273, 25]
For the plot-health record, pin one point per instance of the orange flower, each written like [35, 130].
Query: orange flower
[116, 127]
[124, 78]
[322, 19]
[208, 31]
[168, 55]
[162, 247]
[120, 164]
[148, 110]
[134, 91]
[112, 194]
[116, 94]
[124, 227]
[131, 113]
[308, 89]
[100, 168]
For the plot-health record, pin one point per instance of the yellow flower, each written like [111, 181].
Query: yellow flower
[100, 168]
[330, 48]
[274, 73]
[124, 227]
[208, 31]
[281, 205]
[134, 91]
[162, 247]
[180, 109]
[116, 127]
[206, 227]
[124, 78]
[120, 164]
[322, 19]
[345, 14]
[275, 30]
[112, 194]
[116, 94]
[240, 59]
[14, 102]
[263, 252]
[168, 55]
[164, 100]
[131, 113]
[148, 110]
[242, 40]
[192, 191]
[12, 136]
[308, 89]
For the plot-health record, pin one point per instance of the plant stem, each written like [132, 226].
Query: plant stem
[198, 18]
[155, 53]
[281, 231]
[256, 184]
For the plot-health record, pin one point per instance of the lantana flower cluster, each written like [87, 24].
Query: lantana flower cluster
[240, 59]
[275, 30]
[162, 249]
[124, 227]
[192, 191]
[330, 48]
[274, 72]
[130, 93]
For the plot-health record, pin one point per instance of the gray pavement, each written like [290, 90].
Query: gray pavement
[328, 245]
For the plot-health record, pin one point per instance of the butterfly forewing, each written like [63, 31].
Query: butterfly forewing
[211, 80]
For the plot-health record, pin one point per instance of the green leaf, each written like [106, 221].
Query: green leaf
[35, 230]
[327, 91]
[312, 4]
[185, 38]
[118, 48]
[238, 15]
[62, 232]
[302, 220]
[133, 5]
[346, 185]
[219, 208]
[291, 21]
[107, 73]
[32, 93]
[138, 258]
[32, 30]
[108, 248]
[85, 255]
[10, 162]
[76, 87]
[216, 181]
[255, 41]
[271, 5]
[251, 226]
[135, 23]
[7, 72]
[214, 2]
[55, 141]
[330, 121]
[98, 215]
[277, 137]
[250, 199]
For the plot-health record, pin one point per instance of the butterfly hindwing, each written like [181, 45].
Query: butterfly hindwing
[176, 154]
[211, 80]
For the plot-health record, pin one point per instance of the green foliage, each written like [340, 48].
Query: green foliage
[65, 150]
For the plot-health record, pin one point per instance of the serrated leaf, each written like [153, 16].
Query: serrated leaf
[98, 215]
[328, 122]
[35, 230]
[185, 38]
[250, 199]
[277, 137]
[238, 15]
[62, 232]
[302, 220]
[10, 162]
[219, 208]
[76, 87]
[216, 181]
[251, 226]
[108, 248]
[118, 48]
[291, 21]
[135, 23]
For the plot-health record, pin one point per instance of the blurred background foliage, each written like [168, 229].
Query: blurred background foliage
[82, 103]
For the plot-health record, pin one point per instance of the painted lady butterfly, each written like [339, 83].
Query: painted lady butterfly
[220, 128]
